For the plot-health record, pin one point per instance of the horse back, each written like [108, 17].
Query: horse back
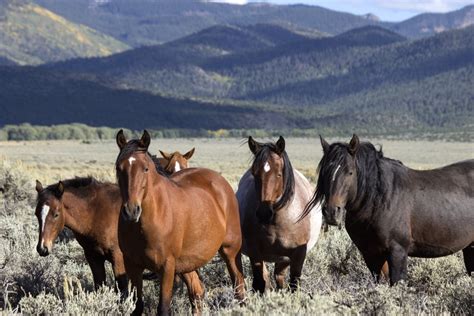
[432, 208]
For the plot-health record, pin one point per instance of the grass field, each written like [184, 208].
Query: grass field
[335, 280]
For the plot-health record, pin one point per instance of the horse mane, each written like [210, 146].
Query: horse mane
[370, 185]
[81, 184]
[261, 157]
[134, 146]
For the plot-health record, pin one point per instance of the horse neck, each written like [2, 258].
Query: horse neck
[155, 201]
[76, 216]
[368, 199]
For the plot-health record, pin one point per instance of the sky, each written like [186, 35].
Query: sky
[387, 10]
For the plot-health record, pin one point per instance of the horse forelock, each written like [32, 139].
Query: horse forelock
[134, 146]
[259, 161]
[367, 167]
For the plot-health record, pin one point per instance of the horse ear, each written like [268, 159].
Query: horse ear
[254, 146]
[165, 155]
[280, 144]
[324, 144]
[354, 144]
[121, 140]
[59, 190]
[39, 186]
[145, 140]
[189, 154]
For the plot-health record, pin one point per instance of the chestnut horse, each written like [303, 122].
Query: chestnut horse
[174, 162]
[272, 195]
[91, 210]
[174, 225]
[392, 211]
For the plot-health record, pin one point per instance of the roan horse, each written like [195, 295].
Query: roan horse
[392, 211]
[174, 162]
[91, 210]
[272, 196]
[174, 225]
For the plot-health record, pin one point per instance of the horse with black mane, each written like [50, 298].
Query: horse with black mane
[272, 195]
[174, 225]
[393, 212]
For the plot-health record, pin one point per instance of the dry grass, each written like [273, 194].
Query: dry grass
[335, 279]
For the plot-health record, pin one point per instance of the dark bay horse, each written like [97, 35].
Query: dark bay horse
[174, 225]
[91, 210]
[272, 196]
[175, 161]
[392, 211]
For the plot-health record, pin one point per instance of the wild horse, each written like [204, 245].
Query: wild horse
[175, 161]
[91, 210]
[174, 225]
[392, 211]
[272, 195]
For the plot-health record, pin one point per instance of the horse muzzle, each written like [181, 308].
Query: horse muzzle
[333, 215]
[265, 212]
[131, 212]
[42, 250]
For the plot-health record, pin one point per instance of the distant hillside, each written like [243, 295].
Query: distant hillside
[145, 22]
[369, 79]
[30, 34]
[431, 23]
[207, 64]
[41, 97]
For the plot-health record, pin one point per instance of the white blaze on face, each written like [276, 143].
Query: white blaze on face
[177, 167]
[266, 167]
[131, 160]
[335, 172]
[44, 214]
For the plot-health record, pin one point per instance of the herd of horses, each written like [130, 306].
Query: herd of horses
[172, 220]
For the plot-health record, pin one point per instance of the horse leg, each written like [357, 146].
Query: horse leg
[384, 272]
[377, 265]
[135, 274]
[121, 281]
[280, 274]
[260, 276]
[468, 254]
[166, 286]
[296, 265]
[97, 267]
[397, 262]
[195, 290]
[231, 254]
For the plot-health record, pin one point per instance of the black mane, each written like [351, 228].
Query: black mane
[261, 157]
[134, 146]
[370, 186]
[81, 184]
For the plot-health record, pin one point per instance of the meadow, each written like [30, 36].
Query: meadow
[335, 279]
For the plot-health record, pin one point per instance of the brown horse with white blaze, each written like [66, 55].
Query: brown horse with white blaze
[272, 195]
[91, 210]
[174, 225]
[174, 162]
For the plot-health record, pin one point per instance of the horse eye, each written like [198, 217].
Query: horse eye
[350, 173]
[56, 215]
[279, 175]
[146, 170]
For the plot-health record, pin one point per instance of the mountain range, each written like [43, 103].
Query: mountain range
[264, 75]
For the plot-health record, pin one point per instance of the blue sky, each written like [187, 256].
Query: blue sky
[387, 10]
